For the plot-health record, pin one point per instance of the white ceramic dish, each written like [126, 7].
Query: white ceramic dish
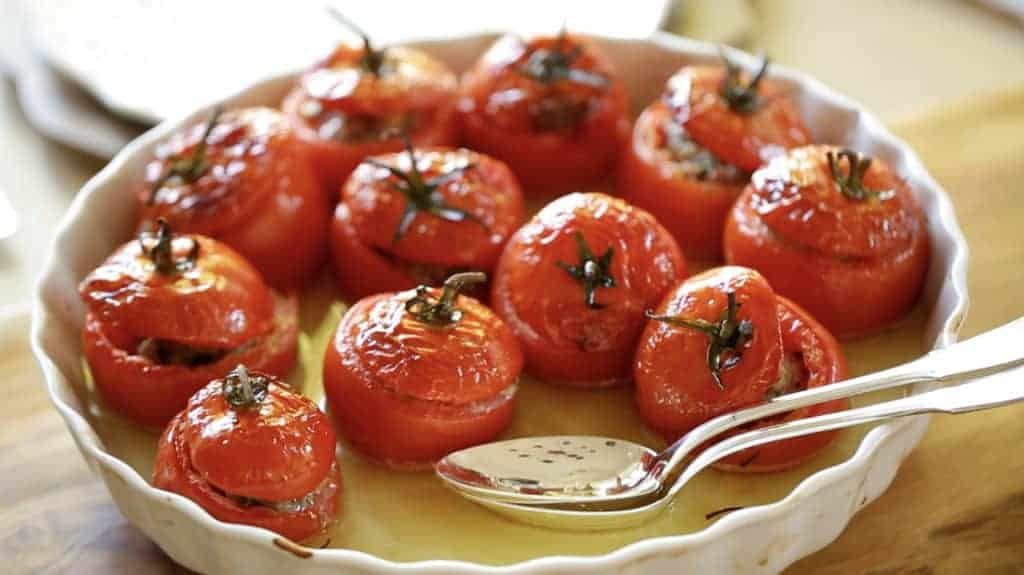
[763, 539]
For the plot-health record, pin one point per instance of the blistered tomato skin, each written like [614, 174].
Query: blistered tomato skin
[250, 185]
[856, 265]
[684, 184]
[345, 113]
[565, 340]
[368, 258]
[216, 307]
[405, 393]
[788, 351]
[558, 131]
[745, 139]
[237, 462]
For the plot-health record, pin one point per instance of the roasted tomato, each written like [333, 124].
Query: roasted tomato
[722, 341]
[835, 232]
[241, 177]
[249, 450]
[574, 282]
[741, 122]
[168, 314]
[552, 108]
[665, 171]
[359, 100]
[414, 217]
[415, 375]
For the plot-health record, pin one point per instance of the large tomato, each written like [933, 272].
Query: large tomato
[243, 178]
[837, 233]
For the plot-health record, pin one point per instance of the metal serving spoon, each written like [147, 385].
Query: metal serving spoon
[595, 483]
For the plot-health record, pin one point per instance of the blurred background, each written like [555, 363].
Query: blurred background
[84, 77]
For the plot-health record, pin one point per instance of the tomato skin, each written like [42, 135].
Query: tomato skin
[675, 391]
[564, 340]
[279, 451]
[548, 162]
[258, 194]
[855, 266]
[693, 210]
[824, 362]
[151, 393]
[367, 260]
[743, 140]
[418, 84]
[406, 393]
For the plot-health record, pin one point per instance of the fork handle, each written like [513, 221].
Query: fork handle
[990, 352]
[981, 392]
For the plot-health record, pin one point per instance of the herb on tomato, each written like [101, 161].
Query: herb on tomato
[242, 390]
[742, 98]
[591, 272]
[728, 335]
[189, 168]
[852, 184]
[442, 311]
[162, 254]
[372, 59]
[421, 195]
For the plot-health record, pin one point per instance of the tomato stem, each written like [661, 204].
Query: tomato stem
[162, 251]
[852, 184]
[373, 59]
[550, 66]
[422, 195]
[741, 98]
[591, 272]
[192, 167]
[726, 336]
[442, 311]
[243, 390]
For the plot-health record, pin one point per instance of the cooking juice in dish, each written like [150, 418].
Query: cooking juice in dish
[402, 516]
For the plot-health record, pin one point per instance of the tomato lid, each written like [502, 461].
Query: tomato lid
[744, 139]
[459, 362]
[206, 296]
[275, 445]
[800, 199]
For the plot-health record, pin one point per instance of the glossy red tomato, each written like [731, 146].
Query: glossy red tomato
[856, 259]
[415, 375]
[401, 224]
[743, 121]
[552, 108]
[663, 170]
[722, 341]
[357, 103]
[249, 450]
[163, 320]
[574, 282]
[242, 177]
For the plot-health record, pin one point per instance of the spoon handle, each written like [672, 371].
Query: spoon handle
[980, 392]
[990, 352]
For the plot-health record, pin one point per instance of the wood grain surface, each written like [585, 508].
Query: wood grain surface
[956, 506]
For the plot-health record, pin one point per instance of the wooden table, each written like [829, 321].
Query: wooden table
[957, 503]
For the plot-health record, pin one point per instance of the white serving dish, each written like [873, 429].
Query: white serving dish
[763, 539]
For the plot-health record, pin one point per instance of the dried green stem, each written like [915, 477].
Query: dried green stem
[591, 272]
[442, 311]
[741, 98]
[852, 184]
[161, 253]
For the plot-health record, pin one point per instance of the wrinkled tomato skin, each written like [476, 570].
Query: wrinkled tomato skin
[675, 391]
[693, 210]
[547, 163]
[281, 450]
[855, 270]
[824, 362]
[423, 86]
[258, 194]
[405, 393]
[367, 260]
[150, 394]
[745, 140]
[565, 341]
